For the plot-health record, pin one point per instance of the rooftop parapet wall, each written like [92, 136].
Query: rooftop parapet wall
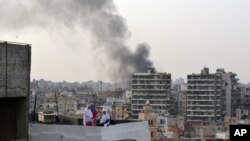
[137, 131]
[15, 63]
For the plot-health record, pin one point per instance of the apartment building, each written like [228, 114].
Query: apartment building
[152, 86]
[36, 99]
[121, 111]
[182, 103]
[245, 98]
[235, 91]
[67, 105]
[210, 95]
[49, 100]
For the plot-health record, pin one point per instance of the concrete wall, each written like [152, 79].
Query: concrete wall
[3, 70]
[14, 70]
[14, 90]
[136, 130]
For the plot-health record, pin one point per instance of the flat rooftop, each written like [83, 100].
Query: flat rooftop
[138, 131]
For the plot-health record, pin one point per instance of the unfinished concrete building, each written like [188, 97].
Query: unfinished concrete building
[152, 86]
[245, 98]
[210, 95]
[14, 90]
[182, 103]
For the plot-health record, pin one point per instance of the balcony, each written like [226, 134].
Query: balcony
[203, 90]
[147, 89]
[203, 105]
[201, 110]
[201, 100]
[151, 78]
[192, 115]
[138, 99]
[203, 95]
[159, 104]
[206, 84]
[150, 84]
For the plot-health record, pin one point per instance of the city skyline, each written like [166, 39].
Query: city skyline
[183, 38]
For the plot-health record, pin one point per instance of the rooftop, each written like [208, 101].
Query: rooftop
[16, 43]
[45, 132]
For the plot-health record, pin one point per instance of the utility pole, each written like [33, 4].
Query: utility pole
[56, 106]
[34, 110]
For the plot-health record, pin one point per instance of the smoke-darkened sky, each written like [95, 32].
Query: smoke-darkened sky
[89, 39]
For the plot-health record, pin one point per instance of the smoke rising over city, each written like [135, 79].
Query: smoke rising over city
[108, 29]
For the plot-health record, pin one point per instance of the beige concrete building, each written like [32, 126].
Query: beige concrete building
[148, 115]
[49, 101]
[67, 105]
[208, 130]
[182, 103]
[228, 120]
[121, 111]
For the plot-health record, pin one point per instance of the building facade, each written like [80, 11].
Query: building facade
[245, 98]
[121, 111]
[152, 86]
[148, 115]
[210, 96]
[67, 105]
[182, 103]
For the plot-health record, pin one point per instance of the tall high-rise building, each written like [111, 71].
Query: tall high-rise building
[210, 96]
[152, 86]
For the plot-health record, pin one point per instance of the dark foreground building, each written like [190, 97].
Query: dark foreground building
[15, 60]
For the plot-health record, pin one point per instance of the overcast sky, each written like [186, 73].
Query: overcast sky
[184, 37]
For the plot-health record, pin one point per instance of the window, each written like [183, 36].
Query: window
[152, 134]
[162, 121]
[150, 122]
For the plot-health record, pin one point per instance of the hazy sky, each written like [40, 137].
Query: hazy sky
[184, 37]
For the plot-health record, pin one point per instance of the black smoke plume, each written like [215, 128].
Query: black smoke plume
[108, 29]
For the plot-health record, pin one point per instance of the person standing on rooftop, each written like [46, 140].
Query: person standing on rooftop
[94, 112]
[87, 116]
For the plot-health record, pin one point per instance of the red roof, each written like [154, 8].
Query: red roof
[175, 129]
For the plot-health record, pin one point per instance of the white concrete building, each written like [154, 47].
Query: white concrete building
[222, 135]
[128, 95]
[152, 86]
